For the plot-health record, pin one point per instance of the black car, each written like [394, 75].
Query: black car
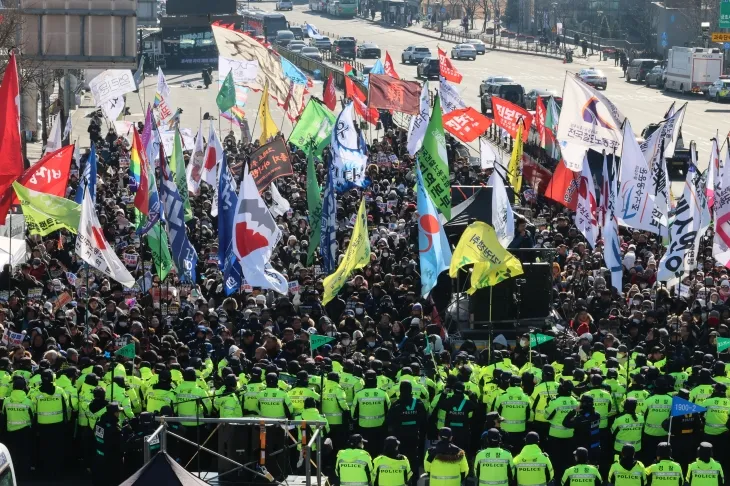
[428, 68]
[344, 48]
[368, 51]
[512, 92]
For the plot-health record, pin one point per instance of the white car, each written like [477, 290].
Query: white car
[284, 5]
[593, 77]
[414, 54]
[719, 90]
[479, 45]
[323, 43]
[461, 51]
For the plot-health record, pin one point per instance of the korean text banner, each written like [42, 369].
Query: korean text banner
[507, 115]
[112, 83]
[270, 162]
[466, 124]
[388, 93]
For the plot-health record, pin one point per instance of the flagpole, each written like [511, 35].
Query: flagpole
[669, 433]
[10, 244]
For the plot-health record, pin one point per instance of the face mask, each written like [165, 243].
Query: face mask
[642, 286]
[46, 322]
[359, 310]
[636, 321]
[268, 328]
[223, 320]
[524, 342]
[385, 254]
[637, 302]
[345, 342]
[123, 323]
[371, 345]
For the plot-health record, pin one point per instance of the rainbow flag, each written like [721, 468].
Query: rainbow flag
[236, 114]
[138, 166]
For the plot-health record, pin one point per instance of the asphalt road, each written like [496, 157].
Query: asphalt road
[640, 104]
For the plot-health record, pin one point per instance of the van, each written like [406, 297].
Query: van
[283, 37]
[639, 68]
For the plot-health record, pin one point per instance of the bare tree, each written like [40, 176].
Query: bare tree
[470, 9]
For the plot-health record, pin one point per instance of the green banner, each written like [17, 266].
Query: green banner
[316, 341]
[45, 213]
[722, 344]
[313, 131]
[126, 351]
[538, 339]
[434, 162]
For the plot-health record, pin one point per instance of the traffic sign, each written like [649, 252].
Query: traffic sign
[721, 37]
[724, 15]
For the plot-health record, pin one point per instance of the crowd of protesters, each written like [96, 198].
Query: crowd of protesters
[393, 379]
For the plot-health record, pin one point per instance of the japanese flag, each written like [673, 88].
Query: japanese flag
[213, 157]
[92, 247]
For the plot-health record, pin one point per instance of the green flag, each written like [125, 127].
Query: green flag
[45, 213]
[226, 98]
[126, 351]
[537, 339]
[314, 204]
[434, 162]
[315, 341]
[157, 241]
[722, 344]
[177, 166]
[315, 124]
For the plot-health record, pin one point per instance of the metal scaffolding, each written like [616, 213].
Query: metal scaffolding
[160, 436]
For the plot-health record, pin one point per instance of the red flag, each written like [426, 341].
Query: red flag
[330, 96]
[370, 115]
[447, 70]
[353, 91]
[466, 124]
[142, 197]
[389, 67]
[49, 175]
[507, 115]
[563, 187]
[388, 93]
[540, 113]
[346, 68]
[12, 164]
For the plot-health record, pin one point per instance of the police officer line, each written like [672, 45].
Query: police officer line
[161, 433]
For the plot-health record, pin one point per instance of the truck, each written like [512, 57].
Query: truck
[692, 69]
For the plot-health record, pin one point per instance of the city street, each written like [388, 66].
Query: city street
[640, 104]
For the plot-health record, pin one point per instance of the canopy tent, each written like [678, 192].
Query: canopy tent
[163, 470]
[13, 252]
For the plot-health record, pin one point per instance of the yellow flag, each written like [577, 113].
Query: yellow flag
[357, 256]
[515, 162]
[268, 127]
[492, 263]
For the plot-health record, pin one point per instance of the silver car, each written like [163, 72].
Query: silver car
[479, 45]
[312, 53]
[296, 46]
[323, 43]
[463, 51]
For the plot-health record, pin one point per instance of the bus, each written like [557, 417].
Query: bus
[263, 23]
[342, 8]
[7, 471]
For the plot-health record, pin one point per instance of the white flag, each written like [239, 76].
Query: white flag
[503, 219]
[636, 188]
[195, 167]
[255, 234]
[348, 160]
[449, 97]
[113, 108]
[213, 158]
[279, 206]
[713, 169]
[588, 118]
[111, 84]
[77, 156]
[419, 123]
[672, 127]
[488, 154]
[92, 247]
[691, 220]
[721, 240]
[55, 140]
[163, 90]
[67, 129]
[585, 211]
[611, 242]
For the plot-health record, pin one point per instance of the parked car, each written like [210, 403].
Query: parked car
[296, 45]
[323, 43]
[655, 77]
[368, 50]
[428, 68]
[415, 54]
[593, 77]
[719, 90]
[344, 47]
[312, 53]
[493, 79]
[512, 92]
[461, 51]
[284, 37]
[639, 68]
[284, 5]
[297, 31]
[532, 96]
[479, 45]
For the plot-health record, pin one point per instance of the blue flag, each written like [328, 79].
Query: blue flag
[183, 253]
[680, 406]
[328, 234]
[433, 246]
[378, 68]
[227, 204]
[292, 72]
[232, 273]
[88, 178]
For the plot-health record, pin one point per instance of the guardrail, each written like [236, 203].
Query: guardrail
[312, 65]
[520, 43]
